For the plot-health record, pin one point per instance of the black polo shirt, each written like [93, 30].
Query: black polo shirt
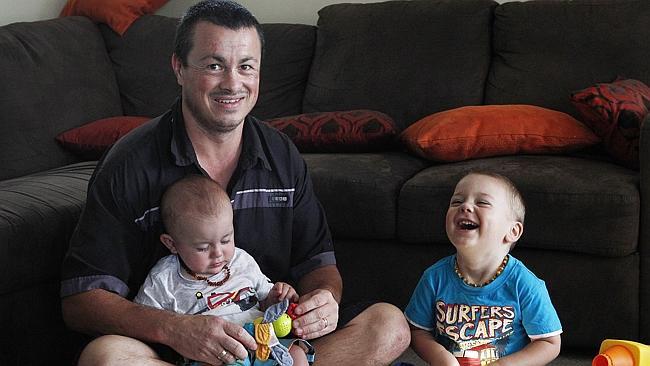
[277, 217]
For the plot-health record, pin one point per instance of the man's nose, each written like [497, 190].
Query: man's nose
[231, 79]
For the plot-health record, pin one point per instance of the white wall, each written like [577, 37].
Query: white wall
[266, 11]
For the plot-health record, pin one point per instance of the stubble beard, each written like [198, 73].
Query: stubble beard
[206, 122]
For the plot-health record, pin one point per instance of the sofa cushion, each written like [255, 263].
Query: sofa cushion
[91, 140]
[56, 75]
[142, 61]
[288, 53]
[344, 131]
[38, 213]
[615, 111]
[544, 50]
[489, 130]
[563, 195]
[367, 55]
[359, 191]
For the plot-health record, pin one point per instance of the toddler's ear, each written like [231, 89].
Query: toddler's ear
[515, 232]
[168, 241]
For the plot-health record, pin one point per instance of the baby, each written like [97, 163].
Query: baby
[206, 273]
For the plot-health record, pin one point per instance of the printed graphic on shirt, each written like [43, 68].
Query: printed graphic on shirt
[243, 299]
[475, 334]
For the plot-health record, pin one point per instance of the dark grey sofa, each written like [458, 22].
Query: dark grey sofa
[585, 232]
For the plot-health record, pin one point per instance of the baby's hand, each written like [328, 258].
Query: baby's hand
[281, 291]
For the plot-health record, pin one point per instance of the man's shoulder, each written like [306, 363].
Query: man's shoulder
[136, 152]
[270, 134]
[140, 140]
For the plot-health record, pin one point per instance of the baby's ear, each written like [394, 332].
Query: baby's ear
[515, 232]
[168, 241]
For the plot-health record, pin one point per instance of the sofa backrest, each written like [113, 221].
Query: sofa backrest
[142, 61]
[544, 50]
[404, 58]
[56, 75]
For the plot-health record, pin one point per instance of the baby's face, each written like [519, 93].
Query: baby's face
[479, 215]
[206, 244]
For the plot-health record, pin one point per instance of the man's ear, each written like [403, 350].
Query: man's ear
[177, 66]
[168, 241]
[515, 232]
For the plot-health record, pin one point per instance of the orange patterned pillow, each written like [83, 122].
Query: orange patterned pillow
[118, 14]
[490, 130]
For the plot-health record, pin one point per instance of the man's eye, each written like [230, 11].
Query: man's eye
[213, 67]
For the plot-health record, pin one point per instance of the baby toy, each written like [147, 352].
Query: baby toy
[614, 352]
[276, 323]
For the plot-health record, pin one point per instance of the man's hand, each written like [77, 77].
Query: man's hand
[318, 314]
[210, 339]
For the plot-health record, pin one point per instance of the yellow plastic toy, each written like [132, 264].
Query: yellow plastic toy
[615, 352]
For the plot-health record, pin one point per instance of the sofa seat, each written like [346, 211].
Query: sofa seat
[563, 194]
[359, 191]
[36, 211]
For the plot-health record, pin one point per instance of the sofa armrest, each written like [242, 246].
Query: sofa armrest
[644, 234]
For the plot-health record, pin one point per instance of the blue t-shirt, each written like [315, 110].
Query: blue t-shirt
[486, 322]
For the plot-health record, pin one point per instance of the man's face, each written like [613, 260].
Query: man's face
[221, 79]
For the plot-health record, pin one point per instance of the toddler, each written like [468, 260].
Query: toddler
[483, 306]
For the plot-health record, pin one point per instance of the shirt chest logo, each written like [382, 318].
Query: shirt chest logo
[264, 197]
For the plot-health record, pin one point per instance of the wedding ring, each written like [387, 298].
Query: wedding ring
[222, 354]
[326, 322]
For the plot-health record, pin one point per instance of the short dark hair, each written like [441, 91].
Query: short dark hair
[224, 13]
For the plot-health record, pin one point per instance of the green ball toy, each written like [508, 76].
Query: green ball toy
[282, 325]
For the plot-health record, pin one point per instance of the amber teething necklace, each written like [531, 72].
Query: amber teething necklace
[203, 278]
[504, 262]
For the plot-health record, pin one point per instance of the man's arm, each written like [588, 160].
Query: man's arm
[318, 307]
[325, 278]
[198, 337]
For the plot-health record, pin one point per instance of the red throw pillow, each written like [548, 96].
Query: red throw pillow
[347, 131]
[91, 140]
[118, 14]
[490, 130]
[615, 112]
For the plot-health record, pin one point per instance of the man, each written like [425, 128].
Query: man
[278, 220]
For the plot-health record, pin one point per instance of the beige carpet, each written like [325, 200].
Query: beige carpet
[567, 358]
